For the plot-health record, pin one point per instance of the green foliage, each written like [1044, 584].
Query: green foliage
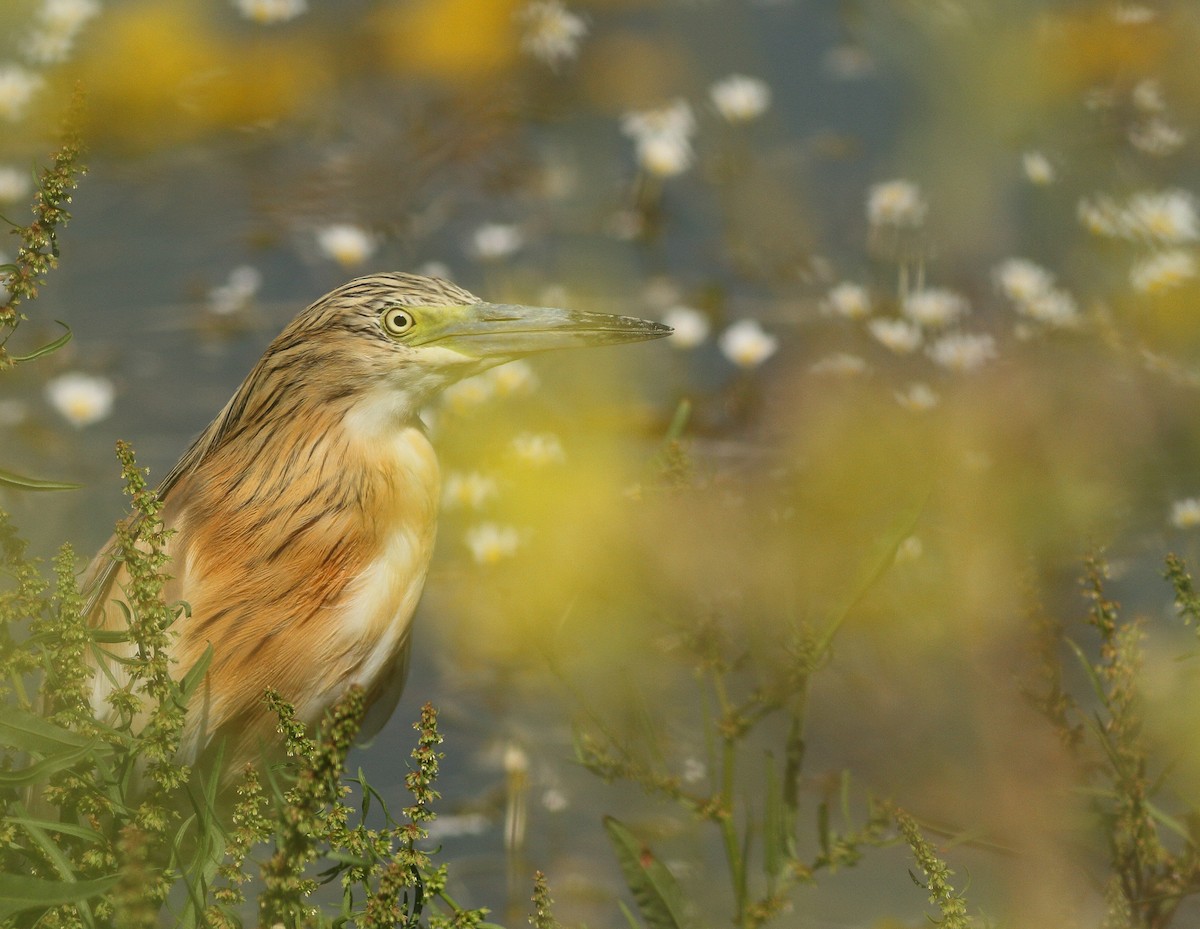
[937, 874]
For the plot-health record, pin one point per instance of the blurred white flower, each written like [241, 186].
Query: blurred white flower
[471, 490]
[80, 398]
[552, 32]
[1038, 168]
[468, 393]
[1185, 514]
[345, 243]
[934, 307]
[848, 300]
[899, 335]
[58, 23]
[917, 398]
[1147, 96]
[662, 138]
[1101, 216]
[237, 292]
[1167, 216]
[963, 351]
[554, 800]
[839, 364]
[17, 87]
[15, 184]
[514, 379]
[1052, 307]
[269, 12]
[691, 326]
[1163, 271]
[456, 825]
[739, 98]
[438, 269]
[1157, 137]
[538, 448]
[490, 543]
[1134, 14]
[746, 344]
[694, 770]
[896, 203]
[1020, 279]
[496, 240]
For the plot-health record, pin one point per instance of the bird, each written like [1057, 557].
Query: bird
[304, 516]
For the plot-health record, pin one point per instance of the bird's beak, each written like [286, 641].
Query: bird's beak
[498, 330]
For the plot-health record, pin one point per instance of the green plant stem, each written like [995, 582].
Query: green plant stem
[729, 836]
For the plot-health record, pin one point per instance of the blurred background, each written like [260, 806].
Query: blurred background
[933, 272]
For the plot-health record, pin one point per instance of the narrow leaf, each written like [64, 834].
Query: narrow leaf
[654, 888]
[48, 347]
[39, 770]
[31, 733]
[19, 892]
[19, 482]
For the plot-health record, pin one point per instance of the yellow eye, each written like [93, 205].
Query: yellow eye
[397, 321]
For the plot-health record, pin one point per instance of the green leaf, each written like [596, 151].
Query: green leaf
[79, 832]
[20, 892]
[48, 348]
[195, 676]
[654, 888]
[18, 482]
[31, 733]
[39, 770]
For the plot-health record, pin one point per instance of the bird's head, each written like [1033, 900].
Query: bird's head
[397, 339]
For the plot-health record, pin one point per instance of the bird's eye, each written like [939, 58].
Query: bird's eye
[397, 321]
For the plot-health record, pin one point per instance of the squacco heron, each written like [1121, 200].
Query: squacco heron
[304, 515]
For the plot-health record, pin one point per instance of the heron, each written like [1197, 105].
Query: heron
[304, 515]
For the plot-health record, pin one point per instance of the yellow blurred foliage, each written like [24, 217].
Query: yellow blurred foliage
[161, 73]
[1084, 46]
[457, 41]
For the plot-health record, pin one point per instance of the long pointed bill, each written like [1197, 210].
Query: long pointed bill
[497, 330]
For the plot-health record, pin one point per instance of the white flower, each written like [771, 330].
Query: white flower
[554, 800]
[67, 15]
[15, 184]
[17, 87]
[471, 490]
[345, 243]
[739, 98]
[934, 308]
[1163, 271]
[1185, 514]
[438, 269]
[691, 326]
[694, 770]
[490, 543]
[963, 351]
[1021, 280]
[1147, 96]
[1134, 14]
[849, 300]
[80, 398]
[515, 379]
[899, 335]
[1052, 308]
[1101, 216]
[237, 292]
[469, 392]
[917, 398]
[456, 825]
[538, 449]
[896, 203]
[269, 12]
[1038, 168]
[46, 47]
[1157, 137]
[839, 364]
[662, 138]
[1167, 216]
[552, 32]
[496, 240]
[746, 344]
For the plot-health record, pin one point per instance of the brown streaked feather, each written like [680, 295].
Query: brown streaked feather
[301, 545]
